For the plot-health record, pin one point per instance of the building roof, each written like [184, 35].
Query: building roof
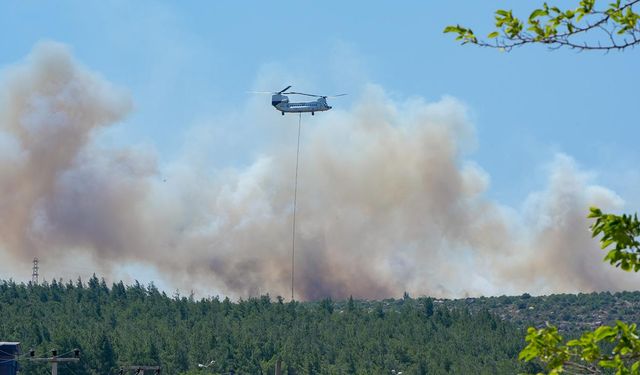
[9, 343]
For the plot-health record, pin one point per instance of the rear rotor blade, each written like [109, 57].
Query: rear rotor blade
[334, 96]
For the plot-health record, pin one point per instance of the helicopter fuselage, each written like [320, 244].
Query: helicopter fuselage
[282, 104]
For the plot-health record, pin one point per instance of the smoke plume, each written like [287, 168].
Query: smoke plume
[388, 201]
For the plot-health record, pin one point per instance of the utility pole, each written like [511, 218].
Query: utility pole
[278, 367]
[34, 273]
[54, 359]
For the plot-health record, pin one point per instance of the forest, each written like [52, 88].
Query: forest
[124, 325]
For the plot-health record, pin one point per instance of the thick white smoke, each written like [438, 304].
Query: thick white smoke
[388, 201]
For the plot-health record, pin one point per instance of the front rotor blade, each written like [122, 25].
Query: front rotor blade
[335, 96]
[285, 89]
[261, 92]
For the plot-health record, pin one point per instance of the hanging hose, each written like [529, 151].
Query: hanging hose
[295, 198]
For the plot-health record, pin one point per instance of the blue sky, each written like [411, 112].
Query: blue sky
[190, 64]
[186, 61]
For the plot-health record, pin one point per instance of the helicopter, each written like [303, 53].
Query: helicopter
[280, 101]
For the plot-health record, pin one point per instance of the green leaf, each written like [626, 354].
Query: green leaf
[594, 212]
[451, 29]
[605, 332]
[608, 363]
[493, 35]
[537, 13]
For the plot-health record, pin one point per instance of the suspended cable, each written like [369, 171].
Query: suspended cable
[295, 198]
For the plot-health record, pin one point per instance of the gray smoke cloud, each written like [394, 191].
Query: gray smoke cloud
[388, 201]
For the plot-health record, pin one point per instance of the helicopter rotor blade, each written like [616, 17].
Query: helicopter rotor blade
[283, 92]
[302, 93]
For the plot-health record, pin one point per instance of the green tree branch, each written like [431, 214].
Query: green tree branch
[585, 27]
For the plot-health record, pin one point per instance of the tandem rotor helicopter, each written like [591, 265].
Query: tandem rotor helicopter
[280, 101]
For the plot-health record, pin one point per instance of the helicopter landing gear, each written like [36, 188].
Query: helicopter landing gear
[283, 113]
[313, 113]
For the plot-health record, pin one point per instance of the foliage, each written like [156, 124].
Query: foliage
[140, 325]
[592, 353]
[622, 232]
[125, 325]
[586, 355]
[585, 27]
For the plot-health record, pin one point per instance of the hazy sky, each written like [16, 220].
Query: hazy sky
[188, 62]
[188, 67]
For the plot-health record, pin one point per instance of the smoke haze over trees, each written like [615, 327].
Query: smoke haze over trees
[389, 200]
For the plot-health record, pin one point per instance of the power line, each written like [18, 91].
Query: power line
[55, 358]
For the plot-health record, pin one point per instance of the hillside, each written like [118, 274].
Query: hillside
[571, 313]
[127, 325]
